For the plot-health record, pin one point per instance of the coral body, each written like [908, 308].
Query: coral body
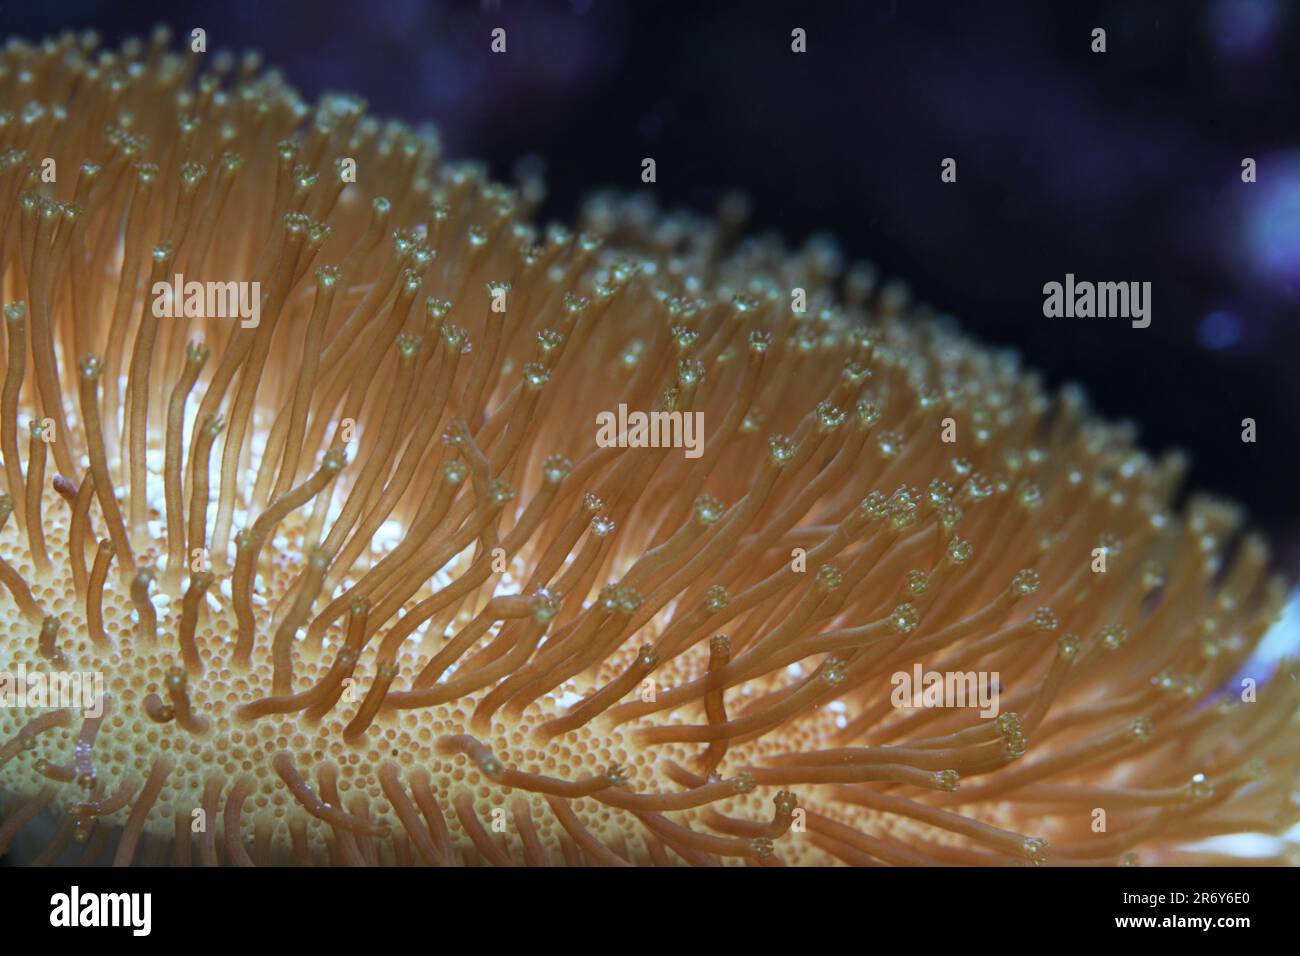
[362, 586]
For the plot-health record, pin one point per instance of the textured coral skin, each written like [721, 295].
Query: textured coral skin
[368, 590]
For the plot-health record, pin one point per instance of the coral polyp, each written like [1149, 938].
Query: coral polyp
[303, 483]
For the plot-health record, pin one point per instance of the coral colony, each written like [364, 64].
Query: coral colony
[299, 429]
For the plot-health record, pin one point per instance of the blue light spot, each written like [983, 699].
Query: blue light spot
[1218, 331]
[1272, 223]
[1242, 26]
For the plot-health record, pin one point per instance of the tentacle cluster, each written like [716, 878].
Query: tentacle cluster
[364, 588]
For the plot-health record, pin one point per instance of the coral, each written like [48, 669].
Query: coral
[362, 586]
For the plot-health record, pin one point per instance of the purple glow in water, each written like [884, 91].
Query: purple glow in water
[1270, 232]
[1241, 28]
